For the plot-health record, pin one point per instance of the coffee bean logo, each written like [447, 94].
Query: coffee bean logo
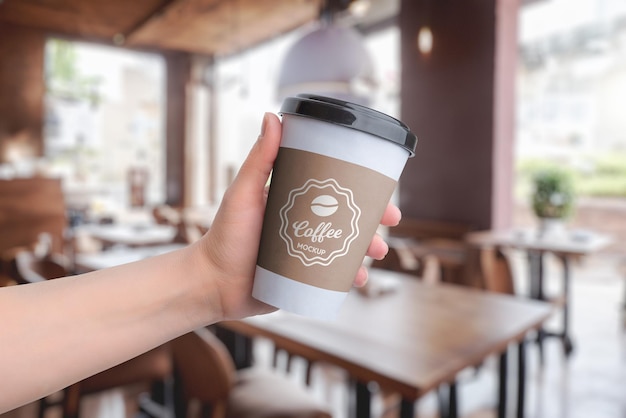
[324, 205]
[307, 227]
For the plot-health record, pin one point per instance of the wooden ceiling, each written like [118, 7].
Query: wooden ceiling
[212, 27]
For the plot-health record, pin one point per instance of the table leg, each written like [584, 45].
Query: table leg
[536, 263]
[453, 401]
[239, 346]
[521, 378]
[502, 387]
[540, 296]
[624, 305]
[363, 400]
[442, 400]
[539, 274]
[448, 401]
[535, 260]
[407, 409]
[567, 341]
[532, 273]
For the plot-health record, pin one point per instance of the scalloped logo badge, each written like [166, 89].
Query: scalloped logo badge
[319, 222]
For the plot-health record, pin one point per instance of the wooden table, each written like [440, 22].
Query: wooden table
[130, 235]
[566, 245]
[410, 340]
[115, 257]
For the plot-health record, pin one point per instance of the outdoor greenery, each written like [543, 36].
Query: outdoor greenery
[599, 176]
[64, 79]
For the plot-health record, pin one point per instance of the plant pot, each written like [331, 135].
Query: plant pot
[551, 226]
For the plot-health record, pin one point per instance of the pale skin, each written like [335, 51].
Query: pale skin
[58, 332]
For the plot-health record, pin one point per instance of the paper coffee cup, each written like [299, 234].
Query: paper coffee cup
[337, 167]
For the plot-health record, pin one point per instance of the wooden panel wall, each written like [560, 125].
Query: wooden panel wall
[459, 100]
[21, 83]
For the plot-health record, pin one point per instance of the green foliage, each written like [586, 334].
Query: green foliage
[64, 79]
[602, 185]
[613, 164]
[607, 176]
[62, 60]
[601, 175]
[553, 195]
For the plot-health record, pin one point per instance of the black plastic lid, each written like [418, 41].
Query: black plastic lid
[352, 116]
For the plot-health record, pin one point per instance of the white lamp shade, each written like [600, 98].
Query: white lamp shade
[331, 61]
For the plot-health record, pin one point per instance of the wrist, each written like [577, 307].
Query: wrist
[203, 304]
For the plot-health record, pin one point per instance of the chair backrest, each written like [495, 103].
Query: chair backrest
[166, 215]
[401, 259]
[420, 229]
[187, 233]
[31, 269]
[205, 366]
[444, 239]
[496, 271]
[28, 207]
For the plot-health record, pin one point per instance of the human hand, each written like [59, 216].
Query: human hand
[231, 246]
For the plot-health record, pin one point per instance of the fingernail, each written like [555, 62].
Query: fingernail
[264, 125]
[382, 257]
[399, 216]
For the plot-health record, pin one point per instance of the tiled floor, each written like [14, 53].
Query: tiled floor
[592, 383]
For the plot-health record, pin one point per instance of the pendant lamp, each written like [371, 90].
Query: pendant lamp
[331, 60]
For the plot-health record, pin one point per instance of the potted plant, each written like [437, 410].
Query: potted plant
[553, 197]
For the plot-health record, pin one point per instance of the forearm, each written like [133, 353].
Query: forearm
[60, 331]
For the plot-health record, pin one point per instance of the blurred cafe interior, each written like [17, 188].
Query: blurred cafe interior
[122, 124]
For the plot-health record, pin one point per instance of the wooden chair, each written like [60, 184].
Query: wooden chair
[421, 229]
[7, 266]
[207, 376]
[29, 207]
[401, 258]
[28, 268]
[187, 232]
[153, 368]
[497, 274]
[442, 239]
[166, 215]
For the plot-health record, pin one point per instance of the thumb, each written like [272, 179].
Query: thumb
[257, 167]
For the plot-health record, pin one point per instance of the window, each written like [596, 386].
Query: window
[104, 125]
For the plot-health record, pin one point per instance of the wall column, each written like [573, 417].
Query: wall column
[178, 69]
[459, 100]
[22, 85]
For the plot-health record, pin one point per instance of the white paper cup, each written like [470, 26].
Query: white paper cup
[336, 170]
